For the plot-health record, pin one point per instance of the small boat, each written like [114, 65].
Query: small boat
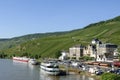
[33, 61]
[21, 59]
[51, 68]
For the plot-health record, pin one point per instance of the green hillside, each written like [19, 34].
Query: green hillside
[50, 46]
[9, 43]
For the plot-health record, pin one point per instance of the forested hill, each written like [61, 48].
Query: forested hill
[50, 46]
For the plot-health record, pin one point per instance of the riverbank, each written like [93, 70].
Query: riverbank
[77, 71]
[96, 77]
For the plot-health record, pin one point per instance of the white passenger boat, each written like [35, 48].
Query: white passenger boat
[51, 68]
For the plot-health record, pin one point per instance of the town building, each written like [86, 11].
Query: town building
[76, 52]
[102, 51]
[105, 52]
[89, 51]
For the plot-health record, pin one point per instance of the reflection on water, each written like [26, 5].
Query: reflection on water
[46, 77]
[43, 76]
[67, 77]
[32, 72]
[19, 63]
[14, 70]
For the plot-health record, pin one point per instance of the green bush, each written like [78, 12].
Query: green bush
[86, 58]
[110, 76]
[73, 58]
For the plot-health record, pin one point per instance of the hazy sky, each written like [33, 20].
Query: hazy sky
[21, 17]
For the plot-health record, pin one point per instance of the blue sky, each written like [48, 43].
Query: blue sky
[21, 17]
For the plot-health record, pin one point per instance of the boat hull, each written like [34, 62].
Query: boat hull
[48, 72]
[21, 59]
[49, 68]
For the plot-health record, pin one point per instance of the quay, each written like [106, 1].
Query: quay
[69, 70]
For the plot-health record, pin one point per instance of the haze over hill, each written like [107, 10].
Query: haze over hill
[49, 44]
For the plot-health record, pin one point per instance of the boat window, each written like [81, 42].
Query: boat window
[53, 66]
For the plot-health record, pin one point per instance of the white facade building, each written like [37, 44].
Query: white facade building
[64, 55]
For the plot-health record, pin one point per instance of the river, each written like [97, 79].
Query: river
[12, 70]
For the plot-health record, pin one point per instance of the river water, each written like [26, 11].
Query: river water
[11, 70]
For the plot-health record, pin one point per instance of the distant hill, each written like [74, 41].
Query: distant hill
[11, 42]
[50, 44]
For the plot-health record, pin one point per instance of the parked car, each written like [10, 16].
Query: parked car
[117, 71]
[116, 63]
[98, 72]
[112, 70]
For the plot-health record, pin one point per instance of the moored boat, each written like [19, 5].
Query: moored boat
[22, 59]
[33, 61]
[51, 68]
